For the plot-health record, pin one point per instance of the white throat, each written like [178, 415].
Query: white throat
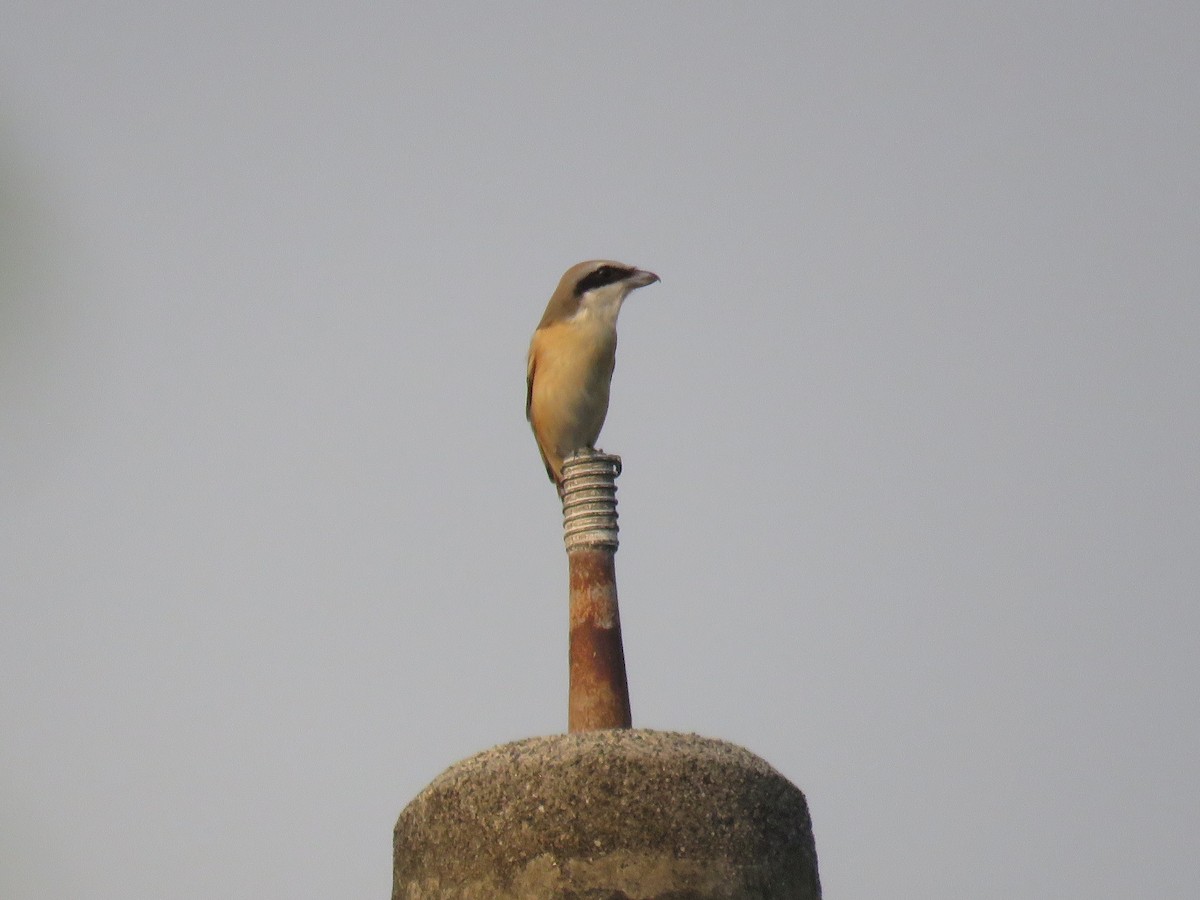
[601, 305]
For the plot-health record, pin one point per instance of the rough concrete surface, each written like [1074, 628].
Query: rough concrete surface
[618, 815]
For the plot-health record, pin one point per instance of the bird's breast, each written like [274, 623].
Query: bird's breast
[576, 355]
[573, 369]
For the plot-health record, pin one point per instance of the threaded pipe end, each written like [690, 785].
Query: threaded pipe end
[589, 496]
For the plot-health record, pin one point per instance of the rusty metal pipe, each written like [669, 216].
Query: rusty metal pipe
[598, 695]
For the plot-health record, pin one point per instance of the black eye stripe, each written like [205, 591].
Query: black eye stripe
[600, 277]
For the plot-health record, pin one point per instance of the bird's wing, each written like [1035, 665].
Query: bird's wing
[529, 367]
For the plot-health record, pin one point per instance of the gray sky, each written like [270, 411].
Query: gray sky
[911, 502]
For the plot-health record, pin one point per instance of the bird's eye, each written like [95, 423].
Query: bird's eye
[600, 277]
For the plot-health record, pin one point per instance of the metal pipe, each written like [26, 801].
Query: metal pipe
[598, 696]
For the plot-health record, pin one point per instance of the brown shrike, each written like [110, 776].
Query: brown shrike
[571, 358]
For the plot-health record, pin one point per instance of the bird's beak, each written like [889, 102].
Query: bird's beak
[641, 278]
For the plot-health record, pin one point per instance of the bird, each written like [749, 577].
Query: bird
[571, 358]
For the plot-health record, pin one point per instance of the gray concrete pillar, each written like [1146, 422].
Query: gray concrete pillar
[608, 815]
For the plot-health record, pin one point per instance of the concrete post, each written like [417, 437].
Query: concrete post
[619, 815]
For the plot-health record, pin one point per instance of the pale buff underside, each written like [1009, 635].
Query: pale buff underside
[570, 369]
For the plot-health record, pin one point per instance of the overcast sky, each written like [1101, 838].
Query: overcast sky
[911, 426]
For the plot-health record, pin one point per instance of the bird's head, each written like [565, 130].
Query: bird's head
[594, 289]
